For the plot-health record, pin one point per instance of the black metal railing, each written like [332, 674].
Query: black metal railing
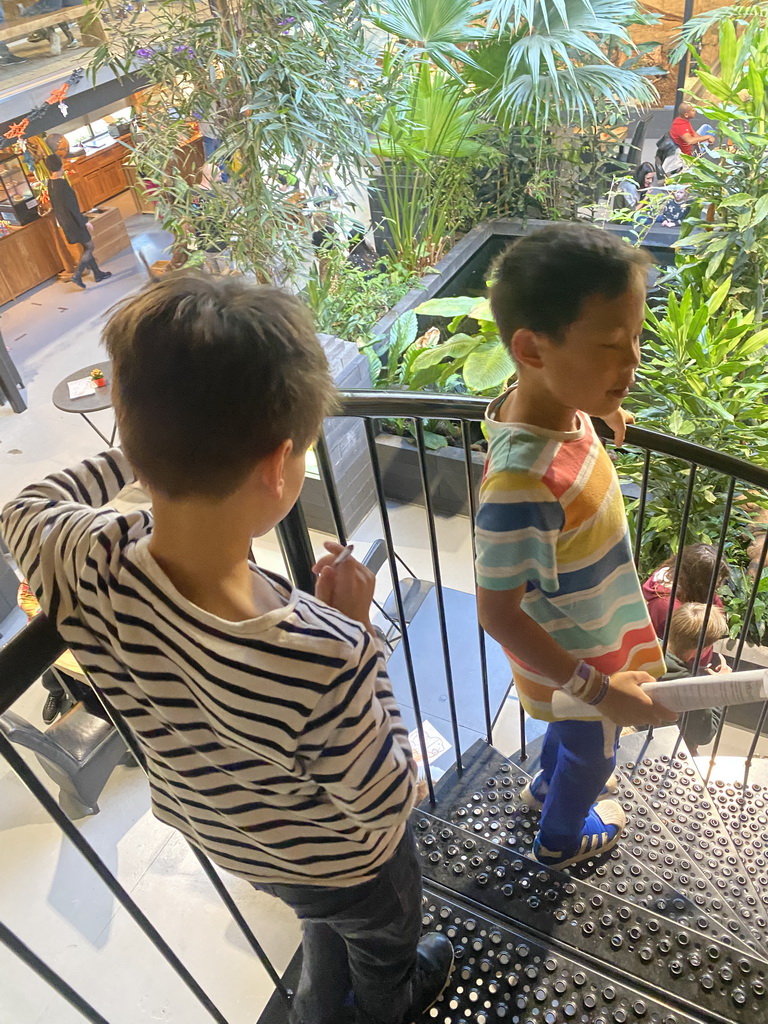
[37, 646]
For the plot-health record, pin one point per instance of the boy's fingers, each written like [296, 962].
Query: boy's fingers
[325, 582]
[333, 546]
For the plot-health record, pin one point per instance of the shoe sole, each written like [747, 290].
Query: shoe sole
[527, 797]
[579, 857]
[446, 983]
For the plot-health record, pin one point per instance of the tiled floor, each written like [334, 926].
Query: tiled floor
[48, 895]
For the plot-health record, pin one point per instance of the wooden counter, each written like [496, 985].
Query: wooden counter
[28, 256]
[99, 176]
[35, 253]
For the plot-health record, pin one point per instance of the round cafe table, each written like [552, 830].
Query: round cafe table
[100, 399]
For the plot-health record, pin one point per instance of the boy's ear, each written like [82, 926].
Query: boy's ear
[525, 348]
[270, 470]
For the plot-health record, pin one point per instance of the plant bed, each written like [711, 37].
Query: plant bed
[462, 271]
[446, 472]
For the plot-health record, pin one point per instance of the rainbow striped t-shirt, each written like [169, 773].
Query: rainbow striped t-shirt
[552, 516]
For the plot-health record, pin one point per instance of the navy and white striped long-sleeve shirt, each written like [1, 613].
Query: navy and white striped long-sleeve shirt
[274, 744]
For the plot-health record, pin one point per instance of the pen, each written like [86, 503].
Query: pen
[343, 555]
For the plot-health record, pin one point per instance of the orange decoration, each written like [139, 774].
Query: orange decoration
[16, 131]
[58, 95]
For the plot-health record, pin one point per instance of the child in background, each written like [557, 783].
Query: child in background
[271, 736]
[697, 565]
[683, 643]
[557, 586]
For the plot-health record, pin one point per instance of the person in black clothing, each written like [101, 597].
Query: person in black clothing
[74, 223]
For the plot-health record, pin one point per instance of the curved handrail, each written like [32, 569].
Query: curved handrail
[422, 405]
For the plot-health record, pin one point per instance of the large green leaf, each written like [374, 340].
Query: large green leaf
[488, 367]
[457, 347]
[403, 334]
[461, 305]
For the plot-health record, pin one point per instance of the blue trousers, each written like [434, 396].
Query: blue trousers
[361, 938]
[576, 766]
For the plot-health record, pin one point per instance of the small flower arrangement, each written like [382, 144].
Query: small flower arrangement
[98, 378]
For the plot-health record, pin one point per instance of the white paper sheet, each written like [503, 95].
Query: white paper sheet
[436, 744]
[714, 691]
[81, 388]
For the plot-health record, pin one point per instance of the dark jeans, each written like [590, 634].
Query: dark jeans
[87, 261]
[575, 764]
[362, 938]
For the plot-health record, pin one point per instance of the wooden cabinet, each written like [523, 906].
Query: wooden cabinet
[98, 177]
[28, 256]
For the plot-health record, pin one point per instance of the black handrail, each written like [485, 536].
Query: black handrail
[423, 406]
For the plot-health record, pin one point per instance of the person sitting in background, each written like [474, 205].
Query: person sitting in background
[683, 133]
[636, 188]
[696, 567]
[699, 727]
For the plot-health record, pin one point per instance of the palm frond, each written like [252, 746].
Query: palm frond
[694, 30]
[575, 98]
[436, 27]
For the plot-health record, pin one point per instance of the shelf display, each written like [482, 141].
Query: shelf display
[18, 204]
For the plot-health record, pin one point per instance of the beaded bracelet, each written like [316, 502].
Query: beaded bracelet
[602, 693]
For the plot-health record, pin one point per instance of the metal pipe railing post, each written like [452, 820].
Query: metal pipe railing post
[293, 535]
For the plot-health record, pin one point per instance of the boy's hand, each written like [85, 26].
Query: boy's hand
[627, 704]
[347, 587]
[618, 421]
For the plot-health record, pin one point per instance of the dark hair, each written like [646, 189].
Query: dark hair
[53, 162]
[211, 375]
[641, 171]
[543, 279]
[697, 564]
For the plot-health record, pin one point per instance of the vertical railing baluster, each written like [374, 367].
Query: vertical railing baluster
[715, 573]
[523, 737]
[41, 794]
[439, 590]
[329, 482]
[41, 968]
[640, 521]
[680, 545]
[296, 548]
[750, 610]
[480, 631]
[405, 638]
[755, 740]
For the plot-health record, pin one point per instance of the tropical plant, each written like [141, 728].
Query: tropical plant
[348, 300]
[733, 188]
[282, 87]
[742, 16]
[428, 142]
[558, 63]
[700, 380]
[476, 362]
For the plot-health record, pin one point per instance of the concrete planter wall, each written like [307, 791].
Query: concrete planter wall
[446, 471]
[347, 449]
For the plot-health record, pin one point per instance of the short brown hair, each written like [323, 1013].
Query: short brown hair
[211, 375]
[685, 628]
[543, 279]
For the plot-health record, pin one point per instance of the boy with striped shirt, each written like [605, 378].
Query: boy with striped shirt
[269, 729]
[557, 586]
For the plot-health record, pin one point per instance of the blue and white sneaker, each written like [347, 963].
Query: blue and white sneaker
[534, 794]
[602, 830]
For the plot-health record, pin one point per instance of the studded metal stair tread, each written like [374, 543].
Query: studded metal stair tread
[665, 776]
[637, 943]
[742, 804]
[647, 867]
[504, 975]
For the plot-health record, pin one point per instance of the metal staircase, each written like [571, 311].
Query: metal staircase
[668, 928]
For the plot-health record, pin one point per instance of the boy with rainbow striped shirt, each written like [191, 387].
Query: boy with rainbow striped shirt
[557, 585]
